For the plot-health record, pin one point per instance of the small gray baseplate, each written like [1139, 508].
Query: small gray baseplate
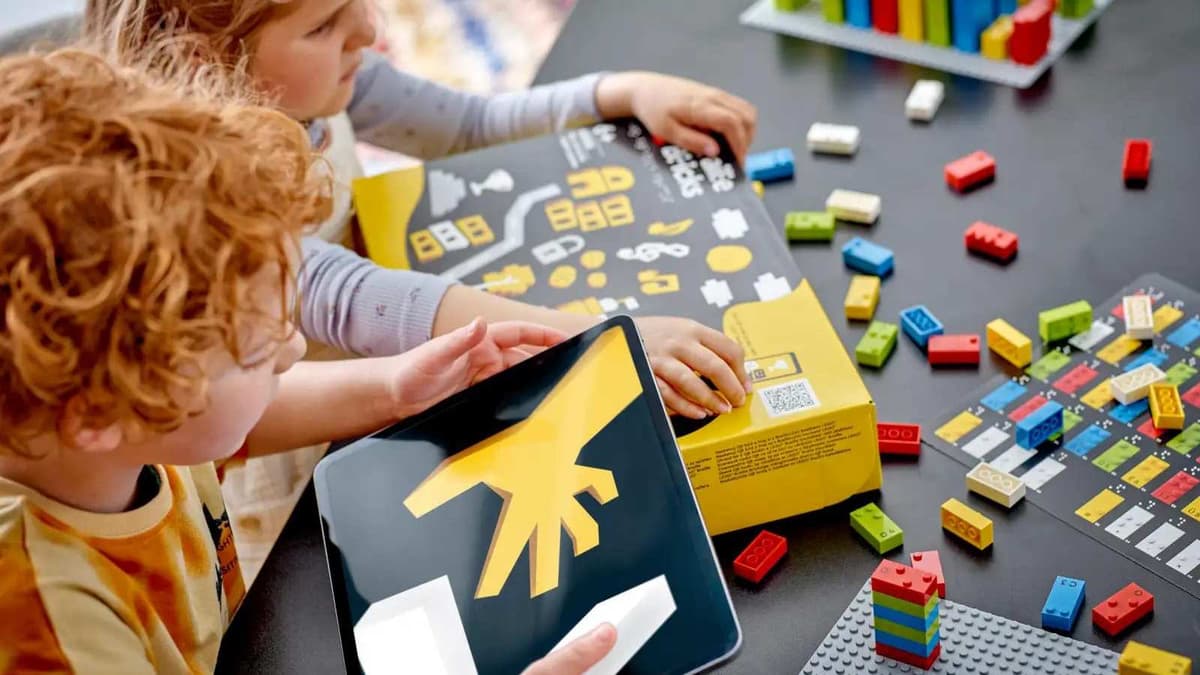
[972, 640]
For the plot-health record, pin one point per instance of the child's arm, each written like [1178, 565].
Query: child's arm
[319, 402]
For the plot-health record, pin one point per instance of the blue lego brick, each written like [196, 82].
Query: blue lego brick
[920, 324]
[914, 648]
[907, 620]
[1149, 356]
[771, 165]
[1001, 396]
[1086, 440]
[1063, 604]
[1130, 412]
[964, 24]
[858, 13]
[1186, 334]
[1040, 425]
[1007, 6]
[868, 257]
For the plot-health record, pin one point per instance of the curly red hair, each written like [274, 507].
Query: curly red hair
[133, 212]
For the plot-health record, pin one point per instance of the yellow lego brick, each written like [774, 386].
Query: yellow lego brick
[958, 427]
[1099, 506]
[1165, 406]
[912, 20]
[1099, 396]
[1011, 344]
[1165, 316]
[758, 188]
[1118, 349]
[993, 43]
[862, 297]
[1193, 510]
[965, 522]
[1145, 472]
[1140, 659]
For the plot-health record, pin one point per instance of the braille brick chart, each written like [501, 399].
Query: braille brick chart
[1111, 473]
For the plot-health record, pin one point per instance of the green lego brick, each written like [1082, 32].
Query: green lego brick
[937, 22]
[873, 525]
[906, 632]
[834, 11]
[910, 608]
[1114, 457]
[809, 226]
[1062, 322]
[789, 5]
[876, 346]
[1187, 440]
[1049, 364]
[1074, 9]
[1179, 373]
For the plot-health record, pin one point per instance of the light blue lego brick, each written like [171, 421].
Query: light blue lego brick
[1130, 412]
[907, 620]
[1006, 393]
[1149, 356]
[920, 324]
[914, 648]
[1063, 604]
[771, 165]
[868, 257]
[1086, 440]
[1007, 6]
[1039, 425]
[1186, 334]
[858, 13]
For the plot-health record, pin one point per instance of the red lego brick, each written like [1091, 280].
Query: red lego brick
[885, 16]
[911, 659]
[1027, 408]
[760, 556]
[1136, 165]
[1179, 485]
[1192, 396]
[931, 562]
[657, 140]
[1076, 379]
[1150, 431]
[1122, 609]
[966, 172]
[953, 349]
[1031, 32]
[899, 439]
[903, 582]
[990, 241]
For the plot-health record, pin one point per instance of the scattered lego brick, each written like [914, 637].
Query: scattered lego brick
[855, 207]
[899, 439]
[862, 297]
[1139, 318]
[966, 523]
[1135, 167]
[953, 350]
[1140, 659]
[919, 324]
[877, 345]
[772, 165]
[760, 557]
[1011, 344]
[924, 100]
[1064, 321]
[833, 139]
[868, 257]
[1063, 604]
[1135, 385]
[967, 172]
[809, 226]
[873, 525]
[990, 241]
[1040, 425]
[930, 562]
[999, 486]
[1166, 407]
[1122, 609]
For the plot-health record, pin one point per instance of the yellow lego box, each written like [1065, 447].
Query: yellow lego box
[602, 221]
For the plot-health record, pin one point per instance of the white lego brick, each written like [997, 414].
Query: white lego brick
[924, 100]
[414, 631]
[834, 139]
[856, 207]
[1139, 316]
[1135, 385]
[985, 442]
[1012, 458]
[999, 486]
[1040, 474]
[1160, 539]
[1186, 560]
[1131, 521]
[1092, 336]
[636, 614]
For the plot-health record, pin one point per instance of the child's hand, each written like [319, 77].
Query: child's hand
[681, 351]
[578, 656]
[446, 365]
[679, 111]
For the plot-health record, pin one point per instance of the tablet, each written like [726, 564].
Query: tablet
[501, 521]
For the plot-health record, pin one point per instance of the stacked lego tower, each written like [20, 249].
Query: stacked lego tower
[906, 614]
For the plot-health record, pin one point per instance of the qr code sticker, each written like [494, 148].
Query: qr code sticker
[788, 398]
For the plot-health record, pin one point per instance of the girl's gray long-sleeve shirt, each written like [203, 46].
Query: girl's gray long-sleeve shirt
[350, 302]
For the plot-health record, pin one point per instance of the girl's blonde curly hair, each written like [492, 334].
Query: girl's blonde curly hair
[133, 212]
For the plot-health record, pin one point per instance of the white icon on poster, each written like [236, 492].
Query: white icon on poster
[497, 181]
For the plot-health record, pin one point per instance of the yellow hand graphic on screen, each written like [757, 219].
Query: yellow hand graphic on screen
[531, 465]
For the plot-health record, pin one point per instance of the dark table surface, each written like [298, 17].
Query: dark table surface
[1058, 151]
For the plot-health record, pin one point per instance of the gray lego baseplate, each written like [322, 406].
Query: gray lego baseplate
[973, 641]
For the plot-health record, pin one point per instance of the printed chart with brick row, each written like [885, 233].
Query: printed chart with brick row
[1111, 473]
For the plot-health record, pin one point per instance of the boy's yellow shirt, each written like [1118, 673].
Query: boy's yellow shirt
[147, 591]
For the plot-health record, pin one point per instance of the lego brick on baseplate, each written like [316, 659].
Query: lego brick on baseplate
[849, 647]
[967, 172]
[919, 622]
[926, 612]
[902, 656]
[953, 350]
[885, 16]
[873, 525]
[1140, 659]
[903, 582]
[637, 614]
[931, 562]
[899, 439]
[966, 523]
[1123, 609]
[760, 556]
[1063, 603]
